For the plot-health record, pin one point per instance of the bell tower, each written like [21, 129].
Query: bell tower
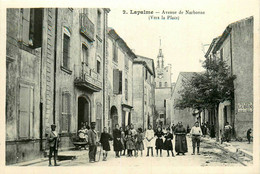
[160, 61]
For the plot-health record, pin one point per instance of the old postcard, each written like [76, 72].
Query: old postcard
[133, 87]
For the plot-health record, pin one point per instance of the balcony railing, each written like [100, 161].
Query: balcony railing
[87, 28]
[88, 79]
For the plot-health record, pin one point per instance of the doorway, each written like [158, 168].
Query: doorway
[114, 117]
[83, 111]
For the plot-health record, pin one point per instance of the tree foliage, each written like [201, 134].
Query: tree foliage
[207, 89]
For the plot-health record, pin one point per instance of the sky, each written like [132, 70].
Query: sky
[182, 40]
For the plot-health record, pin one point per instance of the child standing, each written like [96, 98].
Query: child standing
[149, 135]
[139, 143]
[168, 142]
[130, 143]
[104, 140]
[159, 141]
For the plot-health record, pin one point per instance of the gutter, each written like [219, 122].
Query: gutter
[55, 58]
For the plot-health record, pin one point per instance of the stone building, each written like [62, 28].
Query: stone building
[119, 81]
[143, 92]
[54, 73]
[186, 116]
[235, 47]
[163, 88]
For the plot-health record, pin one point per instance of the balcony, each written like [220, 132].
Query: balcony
[87, 78]
[87, 28]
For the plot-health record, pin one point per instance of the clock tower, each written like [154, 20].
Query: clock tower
[162, 88]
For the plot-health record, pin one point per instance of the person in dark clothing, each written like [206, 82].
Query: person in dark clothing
[159, 141]
[248, 135]
[173, 127]
[104, 140]
[180, 139]
[117, 141]
[168, 142]
[188, 129]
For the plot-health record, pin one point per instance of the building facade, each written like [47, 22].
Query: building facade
[119, 82]
[55, 73]
[186, 116]
[143, 92]
[162, 89]
[235, 47]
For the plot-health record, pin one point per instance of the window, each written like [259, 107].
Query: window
[65, 112]
[126, 62]
[165, 103]
[160, 84]
[98, 67]
[126, 89]
[66, 44]
[146, 74]
[115, 52]
[165, 84]
[85, 54]
[26, 111]
[32, 27]
[117, 81]
[98, 23]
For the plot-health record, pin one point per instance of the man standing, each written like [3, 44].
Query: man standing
[180, 139]
[196, 134]
[92, 139]
[53, 140]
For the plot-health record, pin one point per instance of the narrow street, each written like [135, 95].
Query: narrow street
[210, 156]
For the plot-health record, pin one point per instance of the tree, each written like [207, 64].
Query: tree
[207, 89]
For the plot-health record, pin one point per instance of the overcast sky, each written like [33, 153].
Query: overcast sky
[181, 40]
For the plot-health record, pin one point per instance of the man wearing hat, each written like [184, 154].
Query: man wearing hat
[92, 139]
[53, 139]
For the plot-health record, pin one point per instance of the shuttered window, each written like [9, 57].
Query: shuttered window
[84, 54]
[32, 27]
[66, 114]
[117, 81]
[115, 53]
[66, 45]
[26, 26]
[26, 111]
[126, 89]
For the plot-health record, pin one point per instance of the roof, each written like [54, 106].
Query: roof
[148, 62]
[212, 45]
[227, 31]
[121, 42]
[188, 75]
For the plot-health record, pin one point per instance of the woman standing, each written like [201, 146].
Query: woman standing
[180, 139]
[117, 141]
[159, 141]
[139, 142]
[149, 135]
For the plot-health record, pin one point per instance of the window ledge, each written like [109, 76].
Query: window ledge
[66, 70]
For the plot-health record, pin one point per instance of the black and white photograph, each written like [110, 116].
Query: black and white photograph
[156, 87]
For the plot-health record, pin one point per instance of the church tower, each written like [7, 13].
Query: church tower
[160, 61]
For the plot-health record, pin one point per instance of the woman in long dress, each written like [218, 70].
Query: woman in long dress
[149, 136]
[180, 139]
[159, 140]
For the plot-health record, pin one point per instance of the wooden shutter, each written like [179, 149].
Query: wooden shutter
[26, 25]
[126, 89]
[116, 81]
[65, 112]
[120, 82]
[24, 111]
[31, 92]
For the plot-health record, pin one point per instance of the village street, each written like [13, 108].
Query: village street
[211, 155]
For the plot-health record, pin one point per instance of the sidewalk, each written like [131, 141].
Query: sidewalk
[242, 148]
[63, 156]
